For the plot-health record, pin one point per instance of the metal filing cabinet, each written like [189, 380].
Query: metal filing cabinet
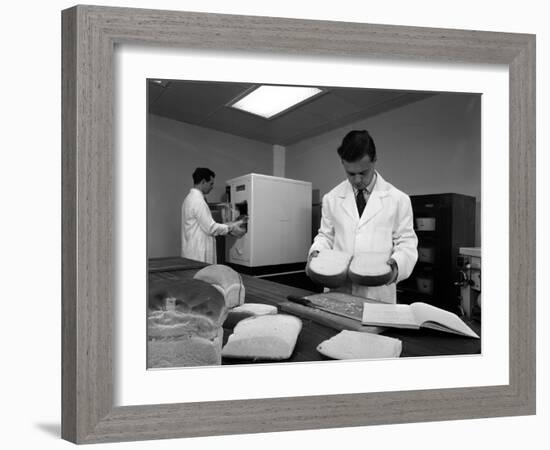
[443, 224]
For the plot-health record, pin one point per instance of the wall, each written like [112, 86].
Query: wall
[175, 149]
[430, 146]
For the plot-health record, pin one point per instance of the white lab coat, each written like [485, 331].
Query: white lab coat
[198, 229]
[385, 226]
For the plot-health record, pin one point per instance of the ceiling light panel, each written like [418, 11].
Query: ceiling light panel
[269, 101]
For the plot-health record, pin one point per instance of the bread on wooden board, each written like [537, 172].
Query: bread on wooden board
[359, 345]
[226, 280]
[329, 268]
[184, 324]
[270, 337]
[370, 269]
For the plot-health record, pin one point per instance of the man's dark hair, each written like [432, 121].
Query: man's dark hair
[357, 144]
[202, 173]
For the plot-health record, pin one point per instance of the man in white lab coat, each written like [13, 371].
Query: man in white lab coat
[198, 228]
[365, 213]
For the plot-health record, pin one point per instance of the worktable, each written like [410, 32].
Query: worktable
[422, 342]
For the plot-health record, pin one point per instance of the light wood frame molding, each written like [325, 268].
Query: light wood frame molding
[89, 37]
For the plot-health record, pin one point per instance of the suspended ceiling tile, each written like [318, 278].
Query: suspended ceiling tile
[234, 121]
[194, 102]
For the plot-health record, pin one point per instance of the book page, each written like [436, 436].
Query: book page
[383, 314]
[425, 313]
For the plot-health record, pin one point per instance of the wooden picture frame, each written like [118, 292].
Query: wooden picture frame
[89, 37]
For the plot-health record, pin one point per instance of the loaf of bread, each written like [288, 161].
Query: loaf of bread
[184, 324]
[270, 337]
[226, 280]
[358, 345]
[329, 268]
[370, 269]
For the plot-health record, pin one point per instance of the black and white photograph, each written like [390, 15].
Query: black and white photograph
[290, 224]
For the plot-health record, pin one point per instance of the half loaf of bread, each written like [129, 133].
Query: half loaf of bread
[184, 324]
[329, 268]
[370, 269]
[226, 280]
[270, 337]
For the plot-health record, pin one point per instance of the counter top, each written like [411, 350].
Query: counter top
[422, 342]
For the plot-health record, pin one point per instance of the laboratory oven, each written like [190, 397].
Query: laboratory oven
[278, 212]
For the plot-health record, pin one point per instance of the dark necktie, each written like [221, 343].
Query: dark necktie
[360, 200]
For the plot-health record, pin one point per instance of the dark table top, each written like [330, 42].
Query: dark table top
[423, 342]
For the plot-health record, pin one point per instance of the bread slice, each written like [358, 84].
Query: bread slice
[358, 345]
[270, 337]
[226, 280]
[370, 269]
[329, 268]
[247, 310]
[255, 309]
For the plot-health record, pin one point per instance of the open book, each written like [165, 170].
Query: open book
[415, 315]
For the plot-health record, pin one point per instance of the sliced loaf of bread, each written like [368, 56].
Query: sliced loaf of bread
[184, 324]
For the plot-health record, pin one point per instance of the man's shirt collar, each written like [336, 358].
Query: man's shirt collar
[369, 187]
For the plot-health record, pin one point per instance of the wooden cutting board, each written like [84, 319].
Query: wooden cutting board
[336, 301]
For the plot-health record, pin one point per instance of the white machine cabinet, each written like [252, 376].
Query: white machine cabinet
[279, 220]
